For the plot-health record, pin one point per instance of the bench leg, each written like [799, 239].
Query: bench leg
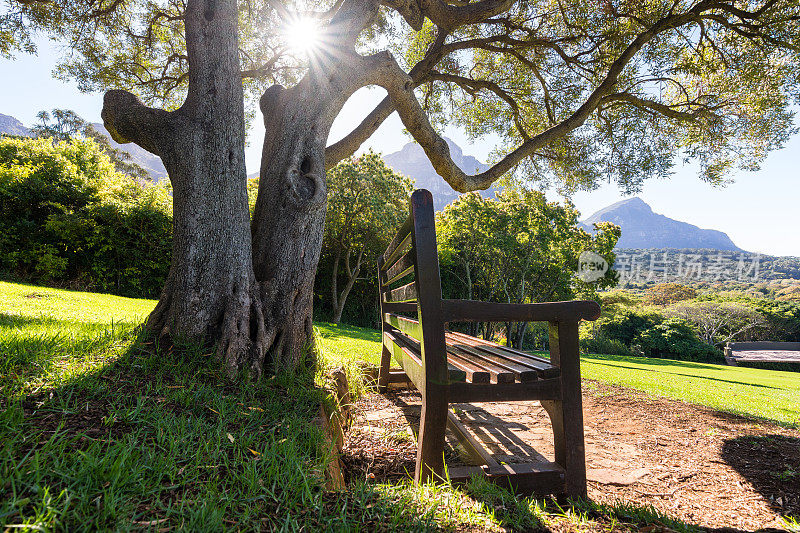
[430, 441]
[383, 372]
[566, 414]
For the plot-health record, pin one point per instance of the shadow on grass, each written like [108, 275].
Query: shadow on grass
[30, 355]
[693, 376]
[771, 464]
[655, 361]
[162, 440]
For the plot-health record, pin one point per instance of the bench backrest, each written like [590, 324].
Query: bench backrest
[764, 345]
[412, 257]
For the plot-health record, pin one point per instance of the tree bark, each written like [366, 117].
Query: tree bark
[210, 296]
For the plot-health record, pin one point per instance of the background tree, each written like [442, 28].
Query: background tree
[668, 294]
[518, 248]
[575, 91]
[719, 322]
[367, 202]
[64, 125]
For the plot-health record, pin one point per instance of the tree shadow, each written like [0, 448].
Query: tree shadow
[30, 355]
[655, 361]
[771, 464]
[693, 376]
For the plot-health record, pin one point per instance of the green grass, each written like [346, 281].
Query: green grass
[99, 433]
[769, 394]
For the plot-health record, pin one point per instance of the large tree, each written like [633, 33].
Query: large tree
[575, 90]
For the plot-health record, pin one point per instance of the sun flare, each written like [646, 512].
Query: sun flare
[302, 35]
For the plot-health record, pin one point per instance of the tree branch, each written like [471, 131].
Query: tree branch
[401, 91]
[447, 16]
[127, 120]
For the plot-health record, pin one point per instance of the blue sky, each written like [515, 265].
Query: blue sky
[760, 211]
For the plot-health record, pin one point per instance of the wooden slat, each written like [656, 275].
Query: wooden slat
[477, 370]
[405, 293]
[398, 376]
[475, 373]
[542, 367]
[398, 307]
[542, 389]
[406, 325]
[455, 375]
[406, 358]
[403, 267]
[470, 443]
[523, 478]
[497, 373]
[477, 311]
[398, 244]
[521, 372]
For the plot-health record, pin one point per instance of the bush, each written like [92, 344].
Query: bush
[674, 339]
[626, 325]
[604, 345]
[647, 334]
[71, 219]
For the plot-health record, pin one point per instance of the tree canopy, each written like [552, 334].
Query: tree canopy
[576, 90]
[519, 248]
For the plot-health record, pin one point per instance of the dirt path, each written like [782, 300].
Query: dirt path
[696, 464]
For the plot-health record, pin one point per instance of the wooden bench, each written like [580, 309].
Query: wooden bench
[449, 367]
[762, 352]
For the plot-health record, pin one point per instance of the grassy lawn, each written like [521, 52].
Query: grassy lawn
[769, 394]
[99, 432]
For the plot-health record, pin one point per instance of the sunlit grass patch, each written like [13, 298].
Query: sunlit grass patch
[769, 394]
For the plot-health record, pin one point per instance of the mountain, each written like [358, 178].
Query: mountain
[642, 228]
[412, 162]
[11, 126]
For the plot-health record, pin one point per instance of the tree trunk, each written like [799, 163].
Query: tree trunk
[352, 274]
[289, 215]
[210, 295]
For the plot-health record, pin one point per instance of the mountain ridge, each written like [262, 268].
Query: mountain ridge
[412, 162]
[643, 228]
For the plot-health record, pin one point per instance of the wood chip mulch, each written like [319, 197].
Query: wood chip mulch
[693, 463]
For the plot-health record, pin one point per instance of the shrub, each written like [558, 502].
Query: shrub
[674, 339]
[648, 334]
[626, 325]
[69, 218]
[604, 345]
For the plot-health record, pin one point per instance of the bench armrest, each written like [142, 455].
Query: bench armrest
[477, 311]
